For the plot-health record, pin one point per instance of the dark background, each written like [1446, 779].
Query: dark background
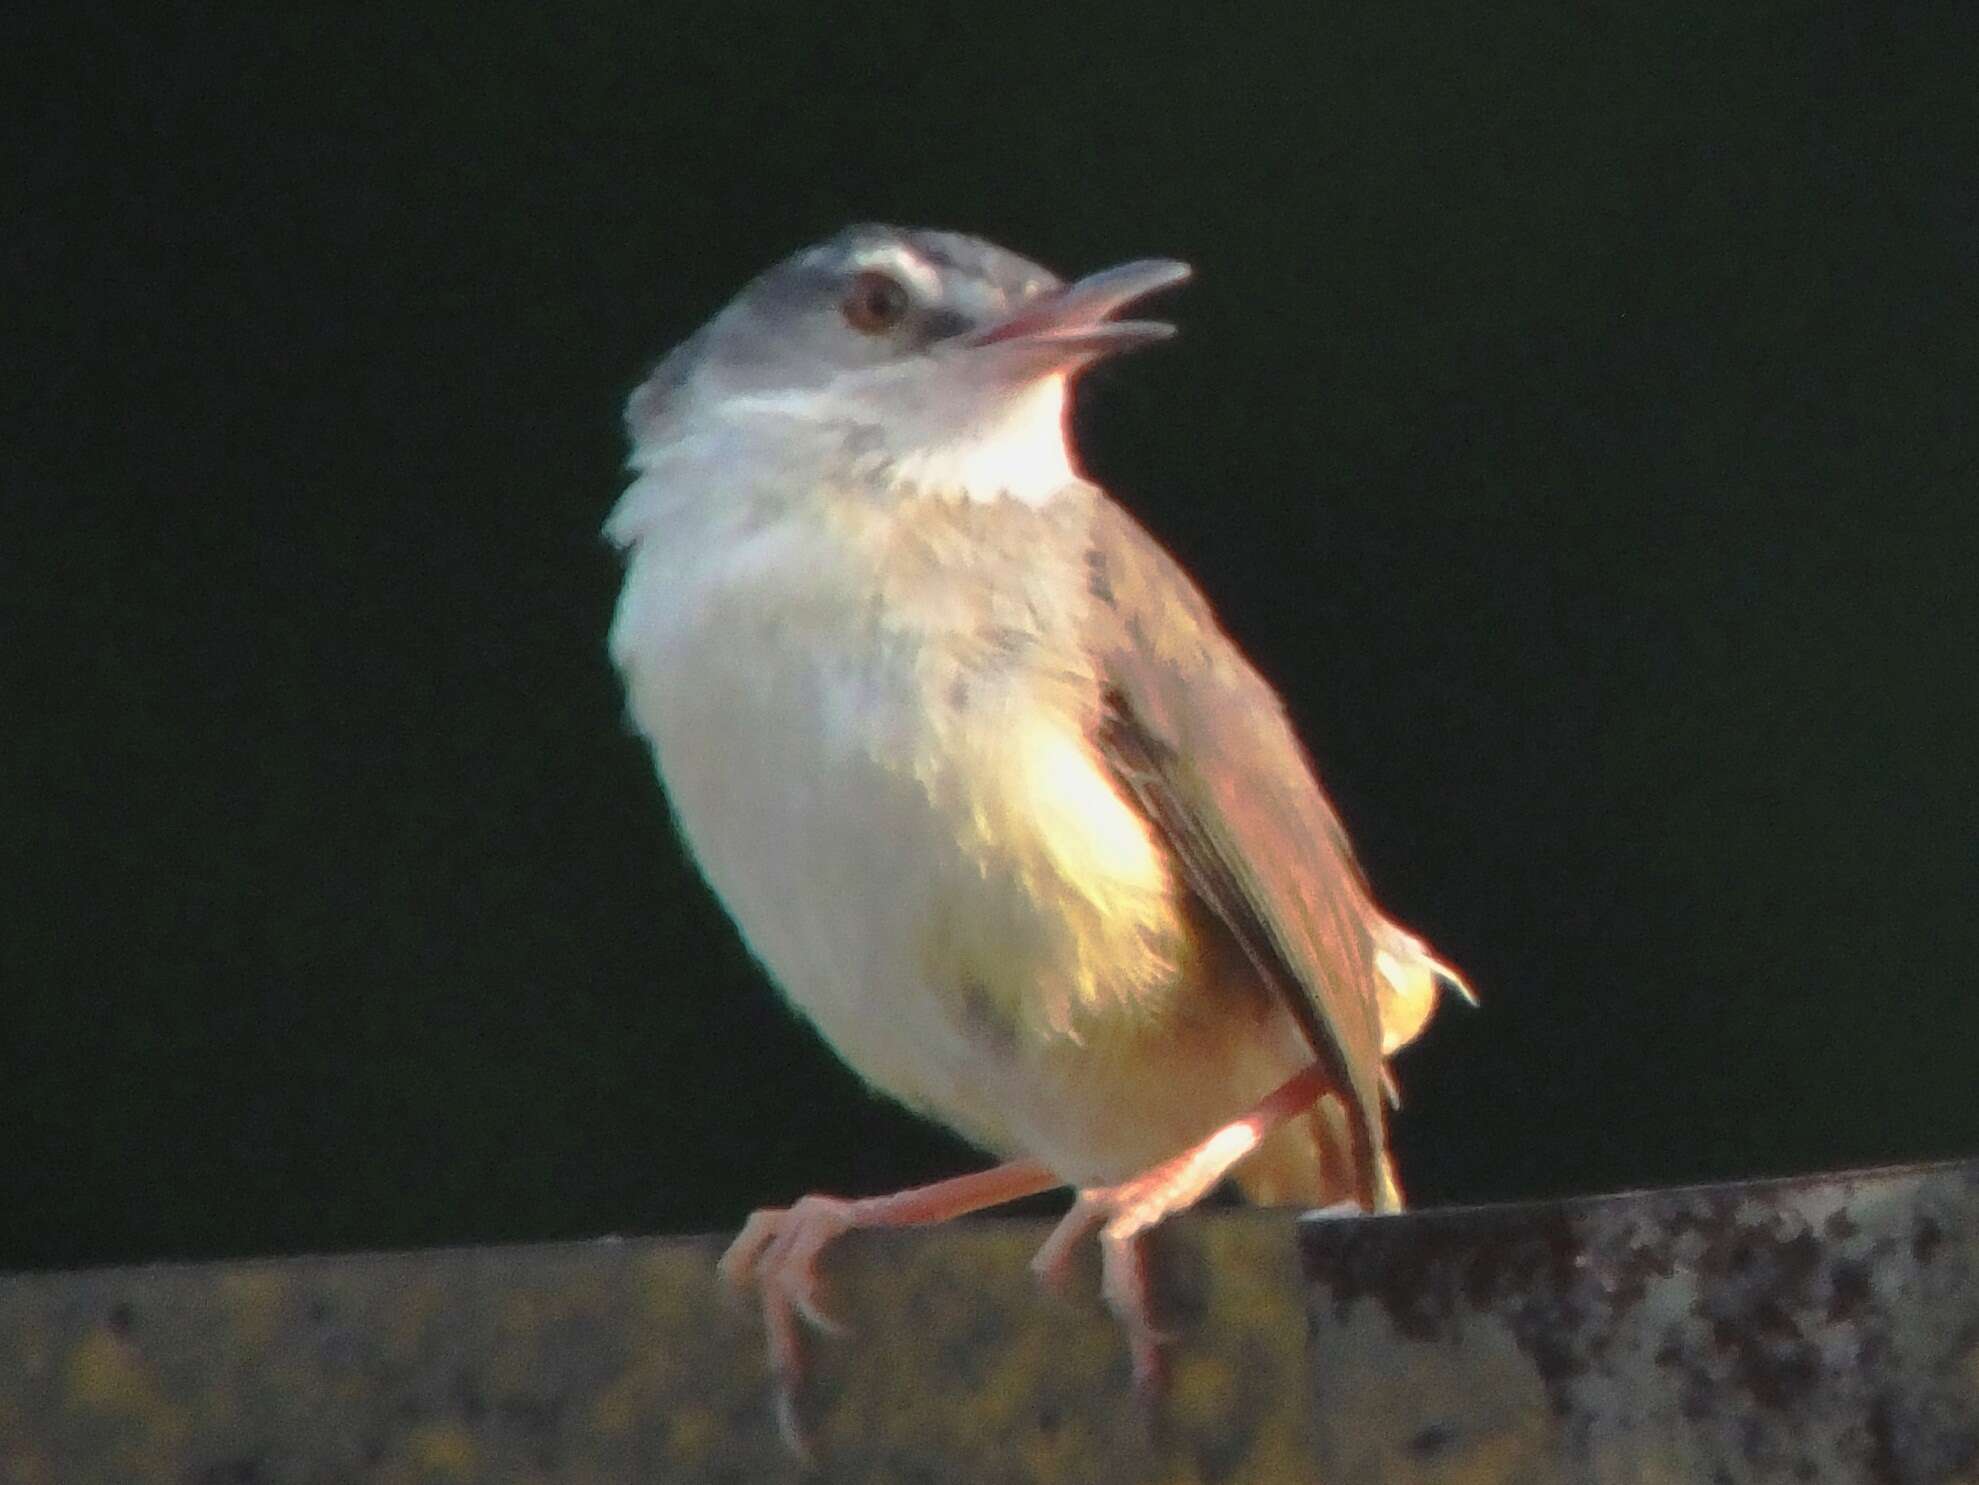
[1574, 414]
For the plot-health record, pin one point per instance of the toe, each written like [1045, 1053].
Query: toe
[1052, 1263]
[1125, 1283]
[739, 1262]
[791, 1264]
[1128, 1290]
[1149, 1353]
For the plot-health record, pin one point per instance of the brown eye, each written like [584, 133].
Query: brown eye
[875, 302]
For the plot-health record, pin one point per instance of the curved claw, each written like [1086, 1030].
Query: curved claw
[806, 1304]
[790, 1428]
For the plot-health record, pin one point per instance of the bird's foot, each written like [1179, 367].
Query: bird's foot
[776, 1254]
[1124, 1214]
[1123, 1258]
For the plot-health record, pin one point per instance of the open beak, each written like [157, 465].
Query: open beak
[1071, 326]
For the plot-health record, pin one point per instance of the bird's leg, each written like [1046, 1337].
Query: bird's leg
[778, 1248]
[1125, 1212]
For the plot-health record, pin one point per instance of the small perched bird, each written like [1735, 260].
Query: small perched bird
[987, 790]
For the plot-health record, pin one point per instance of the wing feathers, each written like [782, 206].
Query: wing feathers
[1198, 740]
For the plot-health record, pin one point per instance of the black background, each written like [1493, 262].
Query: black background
[1574, 414]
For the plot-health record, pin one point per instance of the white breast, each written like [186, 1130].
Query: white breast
[918, 879]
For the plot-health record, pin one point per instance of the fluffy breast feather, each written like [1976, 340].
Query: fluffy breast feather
[871, 724]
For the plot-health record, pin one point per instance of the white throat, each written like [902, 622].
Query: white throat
[721, 463]
[1017, 447]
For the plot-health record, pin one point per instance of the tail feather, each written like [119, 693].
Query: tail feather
[1409, 981]
[1310, 1161]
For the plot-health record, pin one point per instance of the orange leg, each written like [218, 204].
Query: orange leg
[777, 1252]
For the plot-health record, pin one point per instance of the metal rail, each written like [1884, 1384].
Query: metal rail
[1815, 1329]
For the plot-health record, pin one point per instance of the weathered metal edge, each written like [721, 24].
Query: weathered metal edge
[1801, 1328]
[1794, 1328]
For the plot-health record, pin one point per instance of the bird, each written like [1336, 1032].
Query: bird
[980, 779]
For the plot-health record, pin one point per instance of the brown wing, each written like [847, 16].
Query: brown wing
[1201, 742]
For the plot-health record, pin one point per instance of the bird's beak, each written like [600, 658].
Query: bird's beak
[1071, 326]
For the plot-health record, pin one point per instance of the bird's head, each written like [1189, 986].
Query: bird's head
[939, 360]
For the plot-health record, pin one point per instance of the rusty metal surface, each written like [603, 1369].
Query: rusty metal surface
[1814, 1329]
[620, 1362]
[1824, 1329]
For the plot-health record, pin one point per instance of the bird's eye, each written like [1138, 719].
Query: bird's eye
[875, 302]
